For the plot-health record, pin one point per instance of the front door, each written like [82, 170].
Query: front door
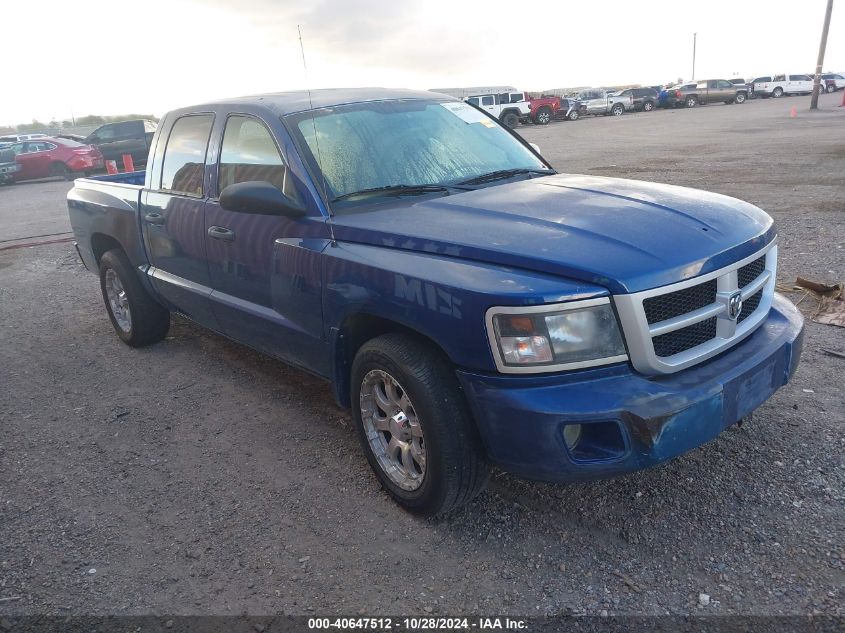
[173, 216]
[265, 269]
[34, 159]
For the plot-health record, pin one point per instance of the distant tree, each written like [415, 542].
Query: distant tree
[35, 126]
[91, 119]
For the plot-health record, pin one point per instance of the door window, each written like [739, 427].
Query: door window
[487, 101]
[724, 84]
[184, 156]
[249, 153]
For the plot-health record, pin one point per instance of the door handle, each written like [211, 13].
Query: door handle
[155, 218]
[221, 233]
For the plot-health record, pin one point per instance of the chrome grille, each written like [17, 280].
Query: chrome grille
[675, 304]
[672, 327]
[685, 338]
[750, 272]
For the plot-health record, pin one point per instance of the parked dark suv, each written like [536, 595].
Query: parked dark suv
[645, 99]
[114, 140]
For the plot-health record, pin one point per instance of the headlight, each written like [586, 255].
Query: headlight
[555, 337]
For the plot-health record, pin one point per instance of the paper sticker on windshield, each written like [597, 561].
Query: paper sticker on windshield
[466, 112]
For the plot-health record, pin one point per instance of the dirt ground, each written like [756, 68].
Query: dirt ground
[198, 477]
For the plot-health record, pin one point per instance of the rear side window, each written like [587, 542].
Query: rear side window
[184, 156]
[761, 80]
[249, 153]
[799, 78]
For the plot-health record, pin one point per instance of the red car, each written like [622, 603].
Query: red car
[43, 157]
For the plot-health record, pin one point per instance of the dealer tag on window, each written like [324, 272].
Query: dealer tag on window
[467, 113]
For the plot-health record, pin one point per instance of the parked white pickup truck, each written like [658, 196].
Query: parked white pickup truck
[597, 101]
[509, 107]
[779, 85]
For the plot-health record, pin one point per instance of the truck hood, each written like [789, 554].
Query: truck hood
[625, 235]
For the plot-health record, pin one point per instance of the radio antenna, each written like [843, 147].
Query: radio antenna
[316, 137]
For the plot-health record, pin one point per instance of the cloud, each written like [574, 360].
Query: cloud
[372, 33]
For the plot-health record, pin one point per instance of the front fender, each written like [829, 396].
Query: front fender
[442, 298]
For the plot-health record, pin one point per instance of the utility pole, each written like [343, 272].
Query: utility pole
[694, 36]
[814, 100]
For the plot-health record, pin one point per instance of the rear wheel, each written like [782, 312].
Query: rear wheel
[573, 116]
[61, 170]
[137, 318]
[617, 110]
[414, 425]
[510, 119]
[648, 106]
[830, 88]
[544, 116]
[777, 93]
[740, 97]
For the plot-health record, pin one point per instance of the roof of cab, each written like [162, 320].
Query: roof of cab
[300, 100]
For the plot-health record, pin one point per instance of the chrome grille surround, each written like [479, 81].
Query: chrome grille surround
[640, 334]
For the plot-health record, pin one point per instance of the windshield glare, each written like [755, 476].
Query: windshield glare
[405, 142]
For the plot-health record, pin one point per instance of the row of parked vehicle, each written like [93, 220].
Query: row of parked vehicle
[30, 156]
[512, 106]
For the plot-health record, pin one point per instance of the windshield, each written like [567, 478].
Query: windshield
[380, 144]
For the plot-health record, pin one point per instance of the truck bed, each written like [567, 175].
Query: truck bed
[104, 210]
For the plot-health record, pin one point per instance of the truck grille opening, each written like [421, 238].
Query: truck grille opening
[685, 338]
[675, 304]
[750, 272]
[750, 305]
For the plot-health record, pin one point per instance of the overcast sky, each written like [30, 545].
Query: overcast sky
[114, 57]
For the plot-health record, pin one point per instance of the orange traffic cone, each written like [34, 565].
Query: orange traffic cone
[793, 112]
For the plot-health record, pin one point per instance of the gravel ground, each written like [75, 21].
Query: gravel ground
[198, 477]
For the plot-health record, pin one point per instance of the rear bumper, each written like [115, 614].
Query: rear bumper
[629, 421]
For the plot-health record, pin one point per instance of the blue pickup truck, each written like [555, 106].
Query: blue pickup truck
[468, 303]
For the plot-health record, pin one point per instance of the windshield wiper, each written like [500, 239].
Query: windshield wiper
[396, 190]
[503, 173]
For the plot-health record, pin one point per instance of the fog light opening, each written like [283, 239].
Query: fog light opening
[595, 441]
[571, 435]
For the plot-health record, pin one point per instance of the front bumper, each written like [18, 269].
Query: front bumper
[642, 420]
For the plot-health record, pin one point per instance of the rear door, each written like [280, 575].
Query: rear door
[173, 217]
[800, 83]
[266, 281]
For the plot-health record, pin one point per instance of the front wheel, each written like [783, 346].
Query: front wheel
[777, 93]
[618, 110]
[830, 88]
[414, 425]
[691, 101]
[544, 116]
[740, 97]
[573, 116]
[137, 318]
[510, 119]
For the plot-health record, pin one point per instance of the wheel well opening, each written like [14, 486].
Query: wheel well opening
[101, 244]
[355, 331]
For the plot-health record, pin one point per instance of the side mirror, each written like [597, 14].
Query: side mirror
[535, 147]
[261, 198]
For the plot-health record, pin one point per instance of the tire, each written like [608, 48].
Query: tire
[137, 318]
[544, 116]
[691, 101]
[510, 119]
[830, 88]
[573, 116]
[435, 424]
[648, 106]
[777, 93]
[740, 98]
[61, 170]
[617, 110]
